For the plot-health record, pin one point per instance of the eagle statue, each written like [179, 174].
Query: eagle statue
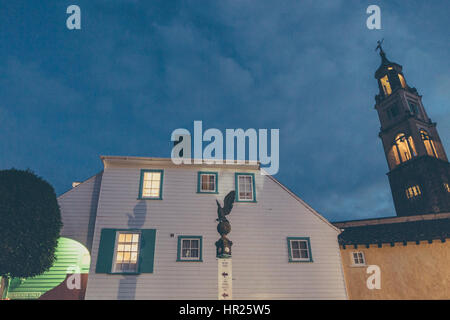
[223, 228]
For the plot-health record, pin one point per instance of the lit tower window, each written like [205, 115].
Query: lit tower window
[403, 149]
[386, 85]
[402, 80]
[447, 187]
[413, 192]
[429, 144]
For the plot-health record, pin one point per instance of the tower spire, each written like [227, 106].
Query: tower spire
[384, 60]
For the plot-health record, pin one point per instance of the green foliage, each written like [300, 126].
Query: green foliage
[30, 222]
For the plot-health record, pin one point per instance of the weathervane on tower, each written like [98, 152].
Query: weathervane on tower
[379, 45]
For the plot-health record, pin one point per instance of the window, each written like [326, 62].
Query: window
[446, 187]
[429, 143]
[413, 108]
[392, 112]
[151, 184]
[299, 249]
[189, 248]
[126, 252]
[413, 192]
[245, 187]
[395, 111]
[386, 85]
[358, 258]
[207, 182]
[403, 148]
[402, 80]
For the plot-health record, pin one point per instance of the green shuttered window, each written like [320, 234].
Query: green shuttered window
[115, 246]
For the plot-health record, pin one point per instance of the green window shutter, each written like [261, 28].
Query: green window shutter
[106, 251]
[147, 252]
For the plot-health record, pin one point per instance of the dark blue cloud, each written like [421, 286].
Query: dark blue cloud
[140, 69]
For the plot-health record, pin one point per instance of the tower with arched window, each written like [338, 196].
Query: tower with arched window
[419, 171]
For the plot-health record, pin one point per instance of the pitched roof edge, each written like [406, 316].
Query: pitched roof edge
[318, 215]
[73, 188]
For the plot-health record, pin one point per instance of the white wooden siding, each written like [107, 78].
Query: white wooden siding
[259, 230]
[78, 209]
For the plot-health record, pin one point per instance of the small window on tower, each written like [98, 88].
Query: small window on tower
[402, 80]
[392, 112]
[413, 192]
[429, 143]
[395, 111]
[447, 187]
[403, 148]
[413, 108]
[386, 85]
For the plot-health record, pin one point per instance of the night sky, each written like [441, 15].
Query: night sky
[137, 70]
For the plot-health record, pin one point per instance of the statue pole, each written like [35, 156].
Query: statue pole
[223, 248]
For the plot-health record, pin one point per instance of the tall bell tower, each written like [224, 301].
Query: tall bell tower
[419, 171]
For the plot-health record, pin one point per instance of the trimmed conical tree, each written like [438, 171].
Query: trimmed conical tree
[30, 223]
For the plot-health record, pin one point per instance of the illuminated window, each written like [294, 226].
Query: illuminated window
[413, 192]
[245, 185]
[386, 85]
[151, 184]
[358, 258]
[299, 250]
[402, 80]
[429, 143]
[446, 187]
[189, 248]
[207, 182]
[126, 252]
[403, 149]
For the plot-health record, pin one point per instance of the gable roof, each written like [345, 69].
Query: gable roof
[73, 188]
[307, 206]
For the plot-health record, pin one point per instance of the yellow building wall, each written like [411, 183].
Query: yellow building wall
[407, 272]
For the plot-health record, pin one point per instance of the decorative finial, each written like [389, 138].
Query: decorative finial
[384, 60]
[380, 47]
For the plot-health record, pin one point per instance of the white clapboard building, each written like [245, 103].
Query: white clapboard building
[151, 228]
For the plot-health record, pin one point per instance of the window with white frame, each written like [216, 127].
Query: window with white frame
[245, 187]
[126, 253]
[189, 248]
[207, 182]
[358, 258]
[151, 184]
[299, 249]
